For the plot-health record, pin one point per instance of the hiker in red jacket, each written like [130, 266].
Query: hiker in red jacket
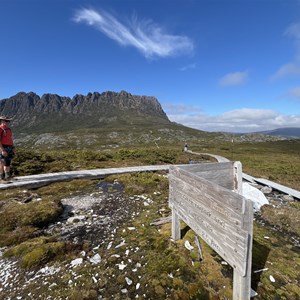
[6, 148]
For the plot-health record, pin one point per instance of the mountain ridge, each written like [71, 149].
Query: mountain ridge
[52, 112]
[101, 120]
[290, 132]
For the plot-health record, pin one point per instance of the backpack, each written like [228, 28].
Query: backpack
[3, 132]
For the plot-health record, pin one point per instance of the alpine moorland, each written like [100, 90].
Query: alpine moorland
[97, 239]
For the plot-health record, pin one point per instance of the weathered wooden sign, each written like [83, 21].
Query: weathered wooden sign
[207, 197]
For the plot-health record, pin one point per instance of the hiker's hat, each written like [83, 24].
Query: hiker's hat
[4, 118]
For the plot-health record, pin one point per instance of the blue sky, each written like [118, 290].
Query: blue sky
[214, 65]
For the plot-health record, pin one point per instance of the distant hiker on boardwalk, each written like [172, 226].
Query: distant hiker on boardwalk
[185, 147]
[6, 148]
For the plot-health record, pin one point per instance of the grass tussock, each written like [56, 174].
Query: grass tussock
[36, 252]
[48, 161]
[37, 214]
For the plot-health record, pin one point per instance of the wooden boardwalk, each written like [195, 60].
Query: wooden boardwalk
[278, 187]
[35, 181]
[218, 158]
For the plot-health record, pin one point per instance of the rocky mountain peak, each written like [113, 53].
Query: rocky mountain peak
[96, 109]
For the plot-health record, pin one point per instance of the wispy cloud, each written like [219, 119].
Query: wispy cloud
[294, 93]
[188, 67]
[174, 109]
[293, 31]
[290, 69]
[239, 120]
[233, 79]
[149, 38]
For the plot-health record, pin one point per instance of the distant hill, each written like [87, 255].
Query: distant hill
[292, 132]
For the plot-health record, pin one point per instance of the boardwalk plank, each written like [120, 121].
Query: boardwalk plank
[278, 187]
[34, 181]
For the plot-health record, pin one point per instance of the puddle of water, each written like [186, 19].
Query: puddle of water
[109, 187]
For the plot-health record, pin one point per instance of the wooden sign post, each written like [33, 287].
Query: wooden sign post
[207, 197]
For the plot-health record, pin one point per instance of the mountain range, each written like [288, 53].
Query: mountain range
[107, 119]
[52, 112]
[290, 132]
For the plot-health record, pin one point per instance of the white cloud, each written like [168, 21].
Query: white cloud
[294, 93]
[175, 109]
[188, 67]
[232, 79]
[150, 39]
[290, 69]
[239, 120]
[293, 31]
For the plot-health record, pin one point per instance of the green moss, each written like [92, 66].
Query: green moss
[35, 257]
[35, 213]
[83, 294]
[36, 252]
[64, 189]
[295, 204]
[286, 218]
[280, 259]
[193, 289]
[17, 236]
[141, 183]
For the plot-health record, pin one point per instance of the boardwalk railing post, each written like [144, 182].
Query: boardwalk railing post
[242, 284]
[238, 177]
[175, 226]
